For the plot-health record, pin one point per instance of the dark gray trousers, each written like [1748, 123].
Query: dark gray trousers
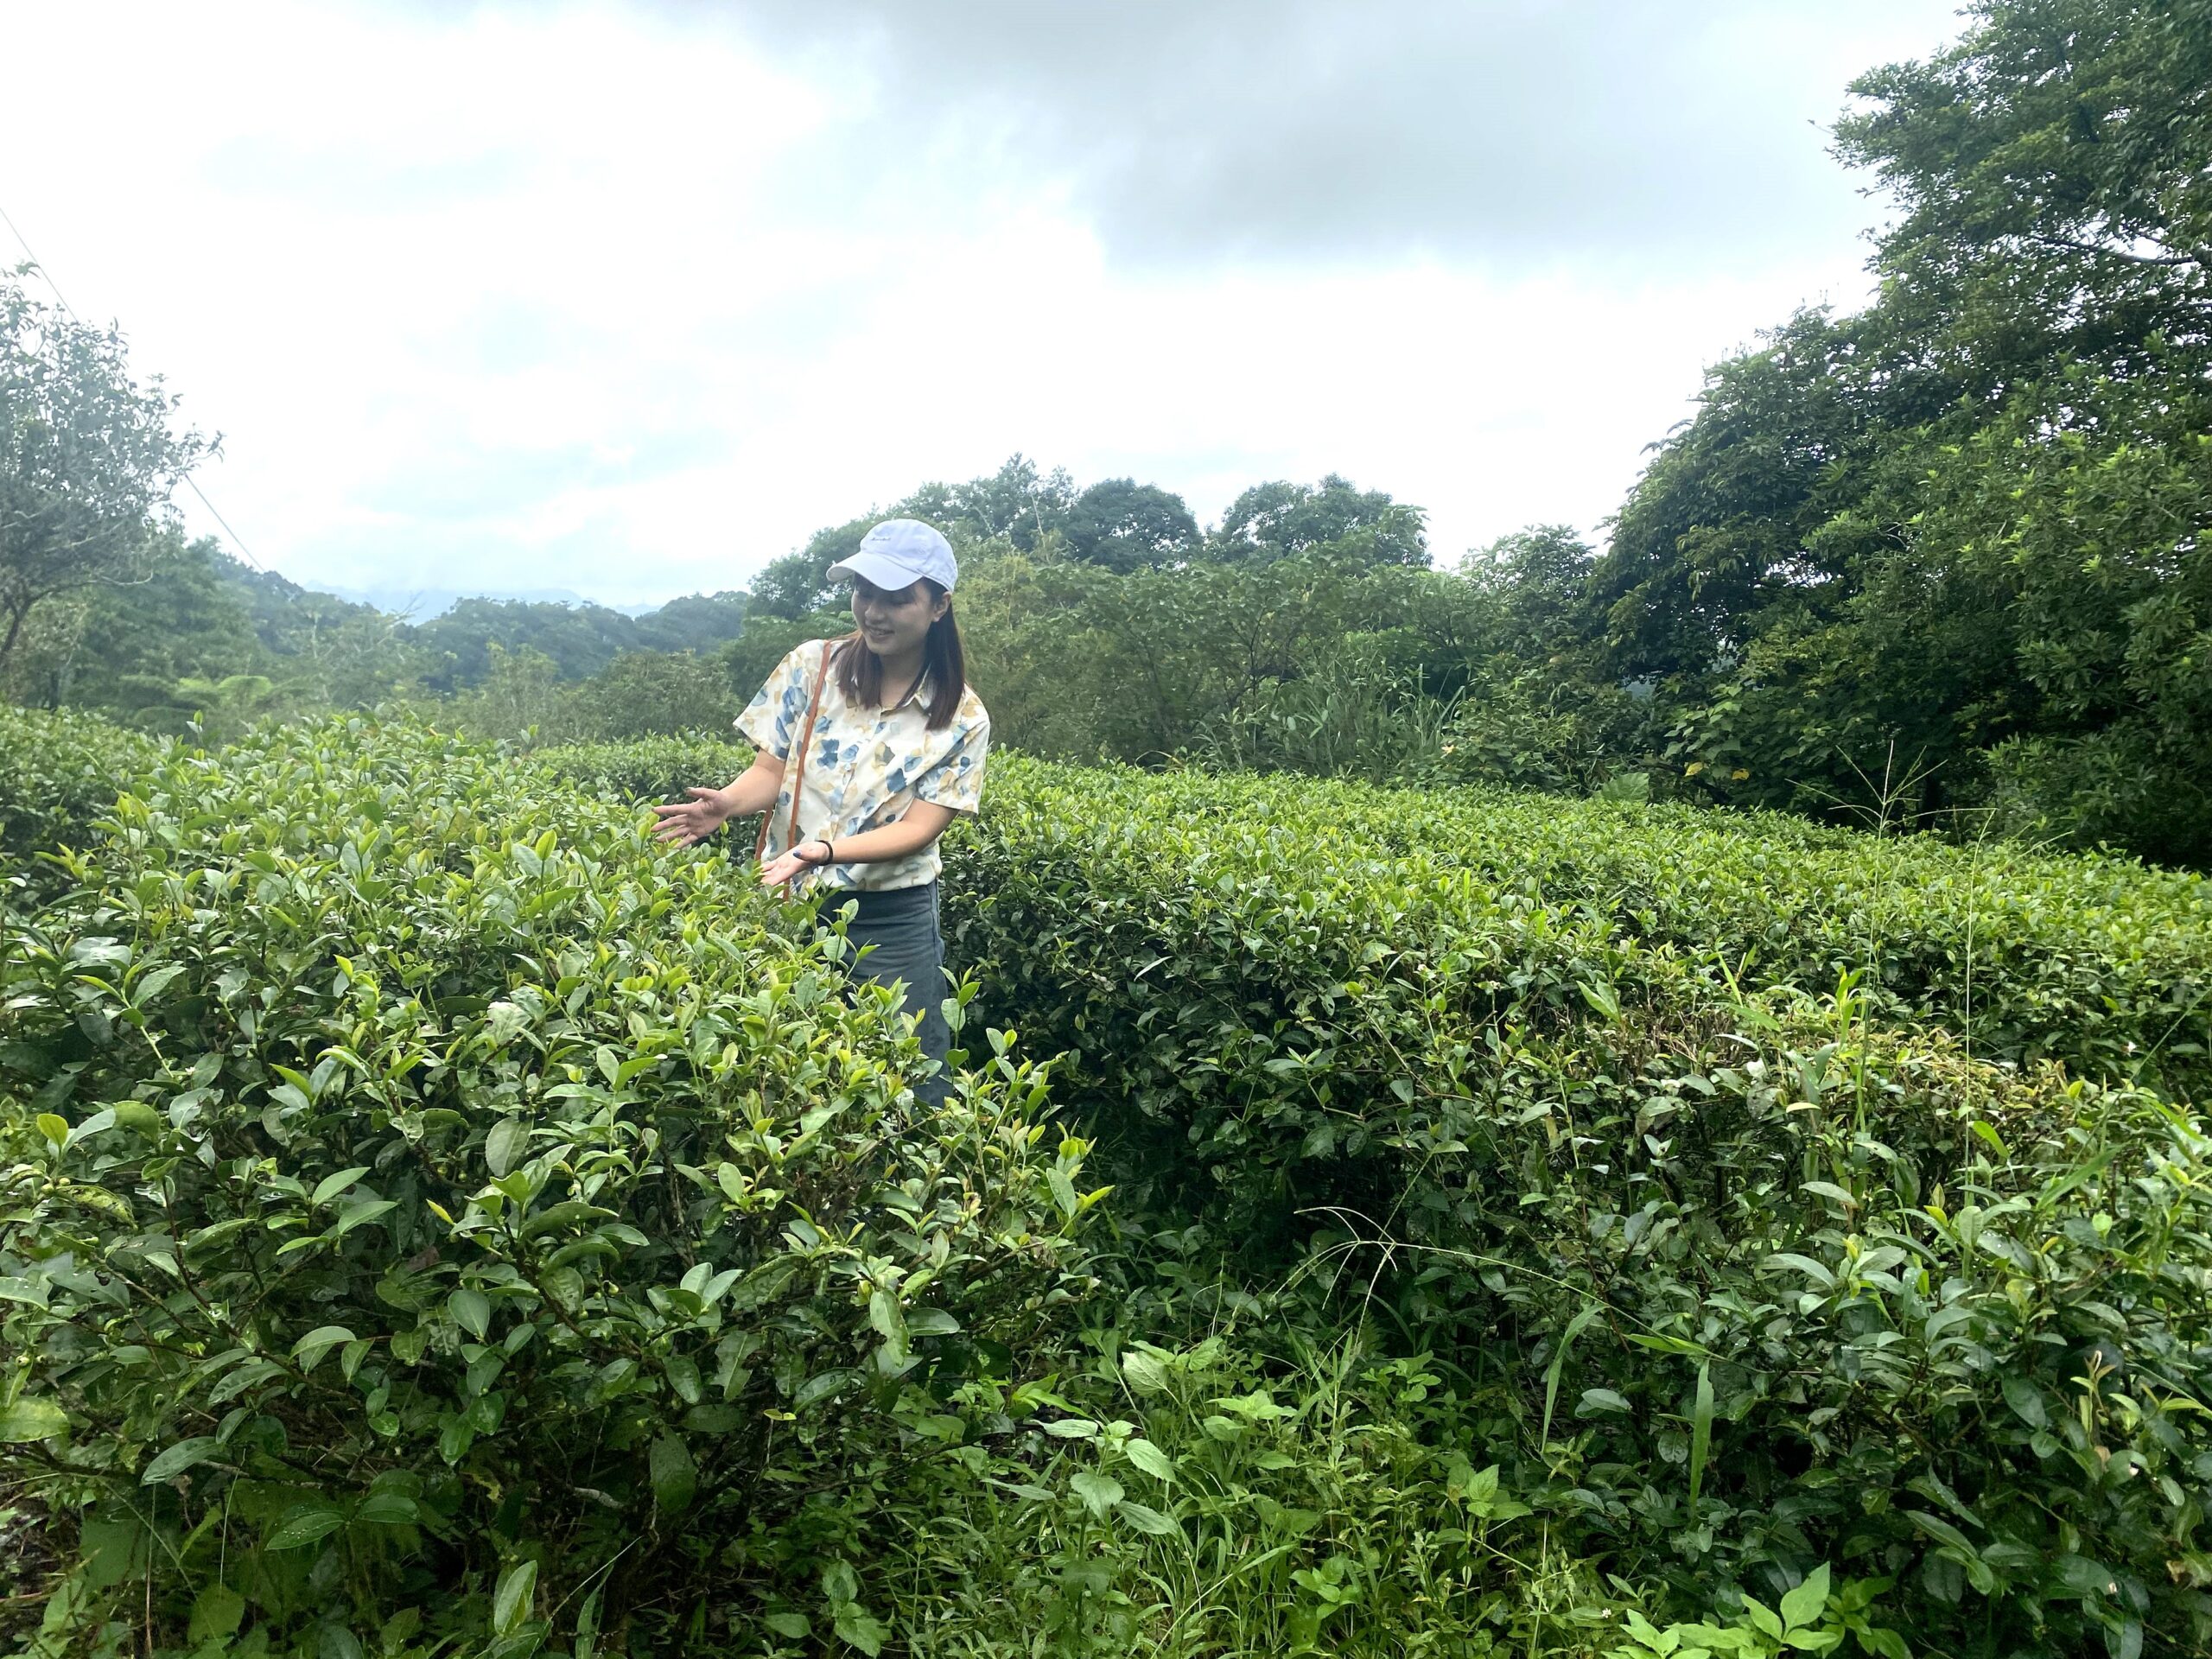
[905, 950]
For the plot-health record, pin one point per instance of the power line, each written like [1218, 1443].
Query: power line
[191, 483]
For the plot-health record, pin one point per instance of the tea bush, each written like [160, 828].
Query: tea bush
[2100, 962]
[59, 771]
[1960, 1359]
[1876, 1265]
[429, 1204]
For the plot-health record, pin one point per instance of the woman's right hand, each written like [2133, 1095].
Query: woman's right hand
[687, 823]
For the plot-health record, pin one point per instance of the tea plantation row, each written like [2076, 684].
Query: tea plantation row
[2102, 963]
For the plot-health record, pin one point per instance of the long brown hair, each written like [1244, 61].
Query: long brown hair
[944, 667]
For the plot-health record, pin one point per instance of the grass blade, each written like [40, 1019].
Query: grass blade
[1574, 1328]
[1700, 1434]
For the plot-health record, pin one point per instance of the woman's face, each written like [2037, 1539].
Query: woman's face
[895, 624]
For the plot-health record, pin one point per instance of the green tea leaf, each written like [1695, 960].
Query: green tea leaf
[179, 1457]
[318, 1342]
[388, 1510]
[675, 1477]
[883, 1314]
[361, 1214]
[571, 1212]
[471, 1310]
[304, 1523]
[683, 1377]
[511, 1599]
[505, 1146]
[2027, 1401]
[1063, 1190]
[28, 1419]
[331, 1185]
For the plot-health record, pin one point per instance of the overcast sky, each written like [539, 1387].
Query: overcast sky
[629, 299]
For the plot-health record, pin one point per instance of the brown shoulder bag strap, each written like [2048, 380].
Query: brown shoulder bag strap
[796, 765]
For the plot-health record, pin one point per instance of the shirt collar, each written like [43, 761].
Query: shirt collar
[915, 698]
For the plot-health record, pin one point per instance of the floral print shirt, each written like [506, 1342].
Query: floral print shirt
[864, 767]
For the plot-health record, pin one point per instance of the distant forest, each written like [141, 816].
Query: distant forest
[198, 614]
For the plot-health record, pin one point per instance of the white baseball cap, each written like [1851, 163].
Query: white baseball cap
[898, 553]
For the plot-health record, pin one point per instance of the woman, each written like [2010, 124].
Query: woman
[891, 743]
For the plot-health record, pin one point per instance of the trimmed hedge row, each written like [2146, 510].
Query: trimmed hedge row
[2101, 962]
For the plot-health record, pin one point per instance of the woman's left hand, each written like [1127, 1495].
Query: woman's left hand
[779, 870]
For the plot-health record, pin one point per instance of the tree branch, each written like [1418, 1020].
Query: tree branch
[2074, 246]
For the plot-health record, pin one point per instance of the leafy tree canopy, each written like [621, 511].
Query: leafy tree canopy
[87, 458]
[1959, 540]
[1278, 520]
[2052, 167]
[1126, 525]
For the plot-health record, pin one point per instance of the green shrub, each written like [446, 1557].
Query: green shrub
[1718, 1318]
[427, 1198]
[60, 772]
[1642, 1197]
[646, 768]
[1534, 730]
[1952, 1327]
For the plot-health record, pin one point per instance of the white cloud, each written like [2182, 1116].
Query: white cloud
[616, 301]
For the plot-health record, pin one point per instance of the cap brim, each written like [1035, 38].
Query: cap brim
[886, 574]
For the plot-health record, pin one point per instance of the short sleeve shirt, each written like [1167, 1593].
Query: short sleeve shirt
[864, 767]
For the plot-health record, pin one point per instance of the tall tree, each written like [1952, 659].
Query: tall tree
[1966, 534]
[1125, 525]
[798, 584]
[1017, 502]
[87, 458]
[124, 646]
[2053, 170]
[1280, 520]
